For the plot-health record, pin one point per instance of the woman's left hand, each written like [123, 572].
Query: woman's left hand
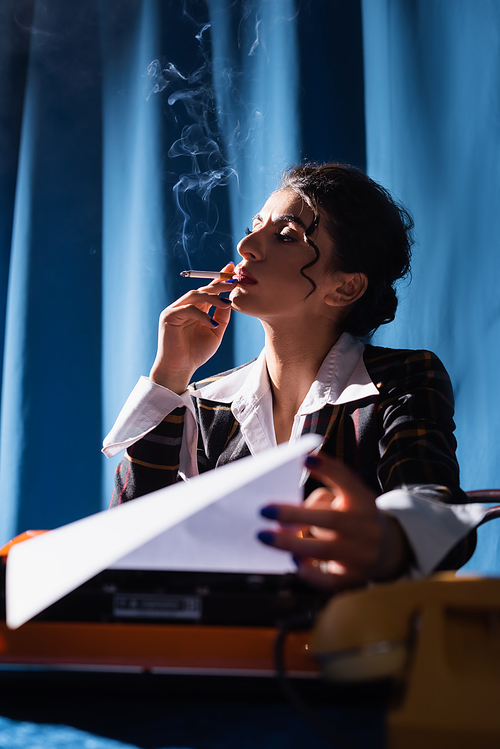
[345, 541]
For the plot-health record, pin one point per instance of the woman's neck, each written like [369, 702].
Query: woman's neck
[293, 358]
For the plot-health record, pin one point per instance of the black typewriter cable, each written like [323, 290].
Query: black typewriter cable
[294, 624]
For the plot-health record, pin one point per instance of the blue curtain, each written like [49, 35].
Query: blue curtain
[50, 234]
[138, 137]
[432, 84]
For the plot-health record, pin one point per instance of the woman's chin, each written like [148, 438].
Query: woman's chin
[243, 302]
[238, 296]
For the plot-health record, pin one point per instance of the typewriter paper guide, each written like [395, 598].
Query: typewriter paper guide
[206, 524]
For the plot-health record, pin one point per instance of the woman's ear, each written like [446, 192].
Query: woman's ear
[346, 288]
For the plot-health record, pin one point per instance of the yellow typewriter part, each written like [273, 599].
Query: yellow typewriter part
[440, 639]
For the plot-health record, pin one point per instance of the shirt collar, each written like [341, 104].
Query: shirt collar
[342, 378]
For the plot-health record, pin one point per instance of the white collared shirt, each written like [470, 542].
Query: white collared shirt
[432, 528]
[342, 378]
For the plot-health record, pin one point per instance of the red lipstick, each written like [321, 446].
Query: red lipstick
[244, 277]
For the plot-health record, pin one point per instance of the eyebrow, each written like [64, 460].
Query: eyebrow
[285, 218]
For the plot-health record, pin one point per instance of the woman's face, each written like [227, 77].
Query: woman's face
[275, 250]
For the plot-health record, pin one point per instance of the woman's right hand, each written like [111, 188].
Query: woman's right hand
[188, 336]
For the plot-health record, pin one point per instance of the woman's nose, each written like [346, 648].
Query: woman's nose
[251, 247]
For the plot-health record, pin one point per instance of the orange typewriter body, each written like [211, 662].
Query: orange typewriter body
[152, 647]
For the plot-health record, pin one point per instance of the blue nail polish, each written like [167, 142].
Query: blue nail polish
[231, 280]
[214, 323]
[223, 299]
[296, 560]
[312, 461]
[266, 537]
[270, 512]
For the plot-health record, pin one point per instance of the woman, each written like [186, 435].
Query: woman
[318, 270]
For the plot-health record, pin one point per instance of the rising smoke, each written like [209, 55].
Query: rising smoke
[199, 142]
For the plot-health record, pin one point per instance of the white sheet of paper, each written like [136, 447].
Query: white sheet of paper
[208, 523]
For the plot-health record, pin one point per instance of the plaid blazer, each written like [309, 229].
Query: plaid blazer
[400, 438]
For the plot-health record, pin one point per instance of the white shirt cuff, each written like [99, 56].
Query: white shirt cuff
[146, 406]
[431, 527]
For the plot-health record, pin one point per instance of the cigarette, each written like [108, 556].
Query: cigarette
[215, 274]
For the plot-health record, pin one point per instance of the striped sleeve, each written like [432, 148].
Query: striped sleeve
[151, 463]
[417, 443]
[415, 423]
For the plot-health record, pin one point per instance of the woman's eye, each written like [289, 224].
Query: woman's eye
[285, 237]
[248, 231]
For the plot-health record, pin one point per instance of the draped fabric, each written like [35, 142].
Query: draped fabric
[432, 86]
[50, 234]
[139, 137]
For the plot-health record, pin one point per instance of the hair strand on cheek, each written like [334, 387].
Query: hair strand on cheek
[310, 230]
[309, 265]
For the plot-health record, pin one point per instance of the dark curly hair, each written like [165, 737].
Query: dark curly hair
[371, 233]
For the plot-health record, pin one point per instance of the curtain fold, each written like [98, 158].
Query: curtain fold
[134, 243]
[432, 82]
[50, 381]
